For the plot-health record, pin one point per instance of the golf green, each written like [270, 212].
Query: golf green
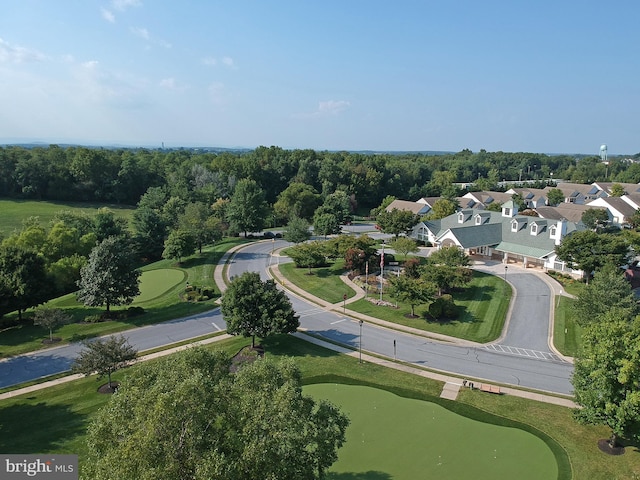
[400, 438]
[154, 283]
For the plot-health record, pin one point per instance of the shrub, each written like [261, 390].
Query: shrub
[134, 311]
[93, 318]
[443, 308]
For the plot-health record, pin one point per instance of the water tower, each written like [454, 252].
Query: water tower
[603, 153]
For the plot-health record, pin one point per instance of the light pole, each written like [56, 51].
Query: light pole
[360, 341]
[366, 279]
[505, 273]
[381, 270]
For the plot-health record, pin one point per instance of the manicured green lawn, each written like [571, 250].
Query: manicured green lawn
[13, 212]
[428, 440]
[163, 283]
[482, 307]
[155, 283]
[323, 282]
[54, 419]
[567, 334]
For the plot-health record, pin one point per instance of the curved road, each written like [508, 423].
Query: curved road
[516, 359]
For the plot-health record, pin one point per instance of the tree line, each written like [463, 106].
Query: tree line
[124, 175]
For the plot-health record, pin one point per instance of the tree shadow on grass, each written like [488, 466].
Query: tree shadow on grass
[28, 428]
[370, 475]
[294, 347]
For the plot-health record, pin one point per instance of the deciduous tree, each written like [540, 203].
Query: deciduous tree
[607, 375]
[555, 197]
[247, 209]
[252, 307]
[23, 280]
[179, 243]
[396, 221]
[297, 230]
[414, 291]
[50, 318]
[404, 246]
[109, 277]
[104, 356]
[185, 416]
[595, 219]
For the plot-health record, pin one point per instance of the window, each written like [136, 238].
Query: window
[534, 229]
[461, 217]
[478, 220]
[507, 212]
[552, 230]
[514, 226]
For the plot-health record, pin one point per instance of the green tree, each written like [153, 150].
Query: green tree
[198, 219]
[617, 190]
[65, 273]
[186, 416]
[106, 224]
[447, 268]
[607, 375]
[297, 230]
[179, 243]
[404, 246]
[109, 277]
[608, 291]
[50, 318]
[595, 219]
[247, 209]
[337, 204]
[150, 232]
[23, 280]
[396, 221]
[104, 356]
[253, 308]
[326, 224]
[555, 197]
[297, 200]
[442, 208]
[588, 251]
[308, 255]
[386, 201]
[414, 291]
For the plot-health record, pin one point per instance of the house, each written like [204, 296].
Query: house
[619, 211]
[578, 193]
[533, 197]
[629, 188]
[504, 235]
[569, 211]
[414, 207]
[484, 199]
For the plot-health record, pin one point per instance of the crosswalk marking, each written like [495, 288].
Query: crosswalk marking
[522, 352]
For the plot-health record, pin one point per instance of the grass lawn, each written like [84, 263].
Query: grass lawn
[567, 334]
[323, 282]
[428, 440]
[13, 212]
[54, 420]
[162, 285]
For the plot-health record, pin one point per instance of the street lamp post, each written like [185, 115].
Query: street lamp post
[360, 341]
[366, 279]
[381, 270]
[505, 273]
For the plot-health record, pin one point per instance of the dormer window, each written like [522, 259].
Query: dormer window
[478, 220]
[514, 226]
[507, 212]
[534, 229]
[460, 217]
[552, 230]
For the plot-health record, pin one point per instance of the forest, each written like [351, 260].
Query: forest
[123, 175]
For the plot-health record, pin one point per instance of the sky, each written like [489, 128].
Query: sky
[559, 76]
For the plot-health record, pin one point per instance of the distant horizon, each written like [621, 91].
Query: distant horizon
[115, 145]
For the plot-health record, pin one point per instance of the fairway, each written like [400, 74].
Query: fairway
[155, 283]
[394, 437]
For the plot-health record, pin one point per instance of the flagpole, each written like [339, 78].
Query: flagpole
[381, 270]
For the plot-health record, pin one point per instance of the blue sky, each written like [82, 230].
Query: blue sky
[558, 76]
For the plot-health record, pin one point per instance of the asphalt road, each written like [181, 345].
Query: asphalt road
[518, 359]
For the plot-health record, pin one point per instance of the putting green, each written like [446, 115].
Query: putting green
[395, 437]
[154, 283]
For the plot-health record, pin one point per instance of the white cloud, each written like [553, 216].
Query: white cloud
[122, 5]
[168, 83]
[140, 32]
[228, 61]
[108, 15]
[332, 107]
[16, 54]
[212, 62]
[209, 61]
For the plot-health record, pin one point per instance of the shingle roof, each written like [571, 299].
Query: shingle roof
[413, 207]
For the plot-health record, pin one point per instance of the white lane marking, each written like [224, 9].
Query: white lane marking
[338, 321]
[216, 327]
